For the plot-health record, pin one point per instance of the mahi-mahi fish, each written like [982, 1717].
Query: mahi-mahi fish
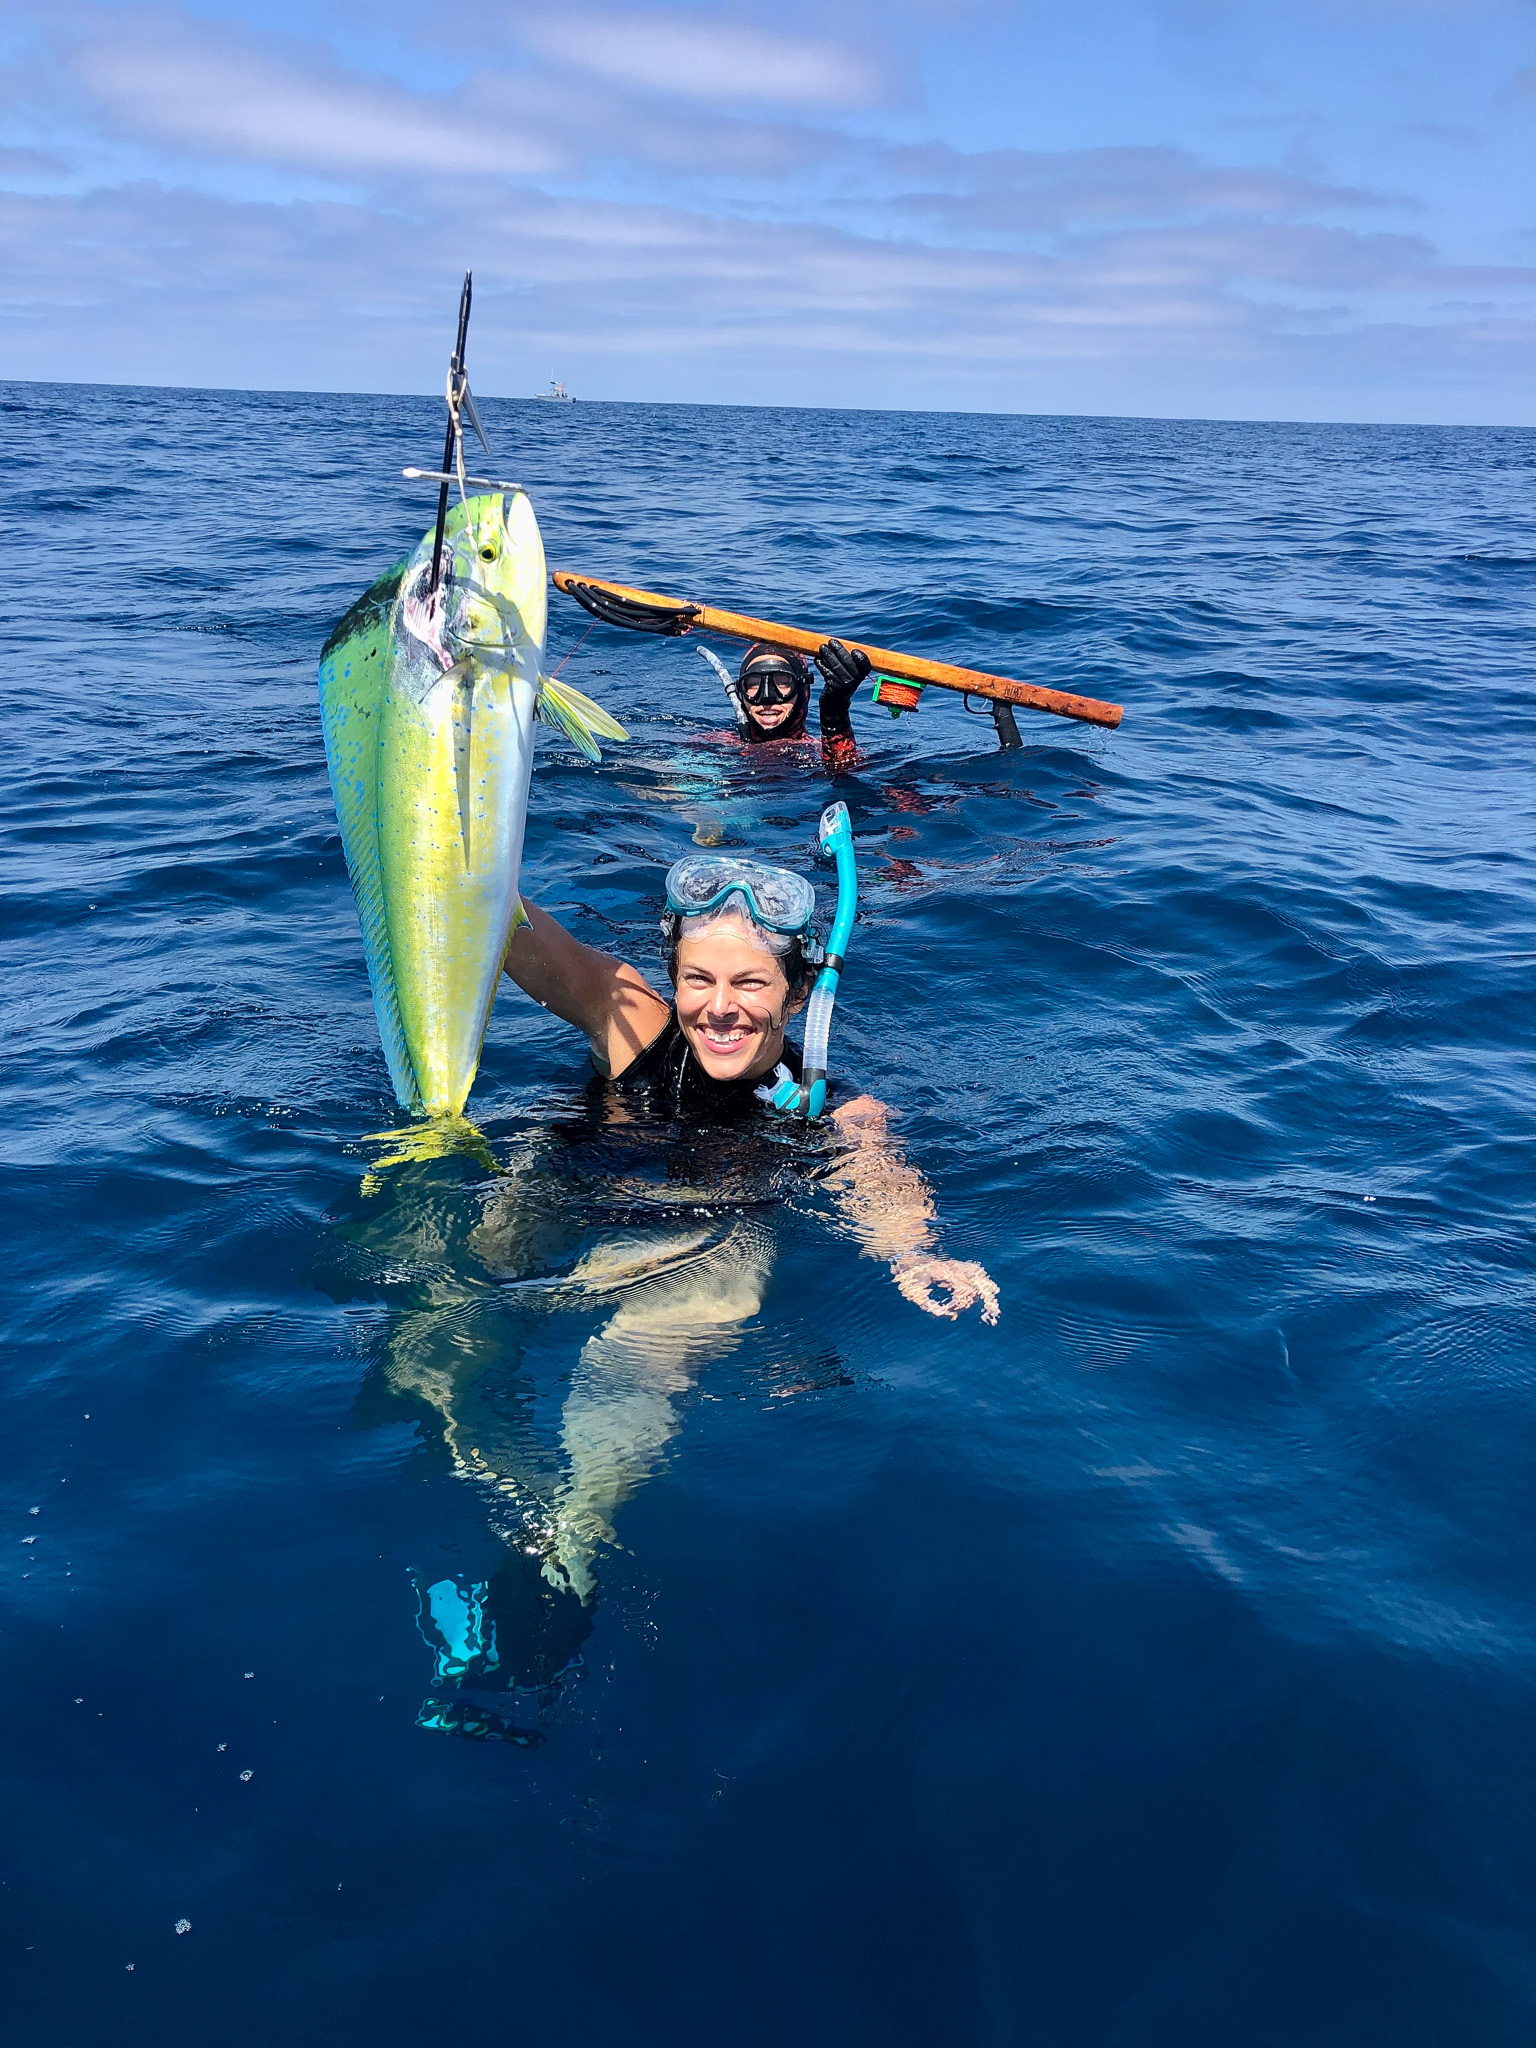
[428, 700]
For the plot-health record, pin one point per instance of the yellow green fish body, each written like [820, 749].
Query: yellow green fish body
[428, 701]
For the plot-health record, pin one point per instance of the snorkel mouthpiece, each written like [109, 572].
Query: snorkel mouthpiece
[807, 1097]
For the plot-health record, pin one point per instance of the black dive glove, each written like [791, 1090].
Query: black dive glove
[843, 669]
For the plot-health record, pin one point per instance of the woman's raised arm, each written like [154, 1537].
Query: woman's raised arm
[609, 1000]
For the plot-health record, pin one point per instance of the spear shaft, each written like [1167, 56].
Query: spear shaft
[450, 444]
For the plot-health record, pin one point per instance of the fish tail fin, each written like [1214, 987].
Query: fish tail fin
[435, 1138]
[583, 722]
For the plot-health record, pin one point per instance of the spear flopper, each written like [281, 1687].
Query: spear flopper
[900, 678]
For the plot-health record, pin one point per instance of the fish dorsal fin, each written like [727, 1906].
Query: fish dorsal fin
[583, 722]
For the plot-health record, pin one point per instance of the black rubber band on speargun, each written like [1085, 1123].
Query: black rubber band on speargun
[632, 612]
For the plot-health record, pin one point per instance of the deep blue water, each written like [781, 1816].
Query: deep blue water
[1157, 1669]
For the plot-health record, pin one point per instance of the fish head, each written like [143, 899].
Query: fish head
[491, 603]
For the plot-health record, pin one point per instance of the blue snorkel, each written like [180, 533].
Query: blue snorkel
[807, 1097]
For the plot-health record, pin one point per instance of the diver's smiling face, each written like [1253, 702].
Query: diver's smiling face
[773, 694]
[769, 717]
[732, 1001]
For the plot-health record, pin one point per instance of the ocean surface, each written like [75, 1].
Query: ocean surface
[1156, 1669]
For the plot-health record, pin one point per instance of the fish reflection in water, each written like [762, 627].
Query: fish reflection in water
[552, 1319]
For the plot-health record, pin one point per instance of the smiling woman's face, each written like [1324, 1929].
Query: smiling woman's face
[732, 1001]
[769, 717]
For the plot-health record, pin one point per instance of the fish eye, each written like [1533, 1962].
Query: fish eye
[488, 554]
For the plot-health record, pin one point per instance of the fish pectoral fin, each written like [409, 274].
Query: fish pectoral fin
[583, 722]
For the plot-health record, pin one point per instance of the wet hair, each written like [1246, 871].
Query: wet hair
[788, 948]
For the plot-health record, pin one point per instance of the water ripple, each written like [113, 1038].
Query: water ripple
[1192, 1601]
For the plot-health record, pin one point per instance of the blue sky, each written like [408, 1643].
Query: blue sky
[1210, 208]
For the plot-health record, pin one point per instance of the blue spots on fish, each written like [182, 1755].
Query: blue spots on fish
[463, 736]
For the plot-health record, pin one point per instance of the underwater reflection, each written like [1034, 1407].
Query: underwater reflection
[551, 1318]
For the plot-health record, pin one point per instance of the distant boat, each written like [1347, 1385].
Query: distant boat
[557, 392]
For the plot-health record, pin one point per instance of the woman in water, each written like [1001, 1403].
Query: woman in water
[678, 1272]
[772, 696]
[771, 691]
[740, 958]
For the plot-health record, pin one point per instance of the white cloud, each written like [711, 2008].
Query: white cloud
[1021, 191]
[662, 302]
[698, 57]
[30, 163]
[692, 252]
[217, 95]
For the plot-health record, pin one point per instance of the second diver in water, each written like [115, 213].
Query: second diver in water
[771, 695]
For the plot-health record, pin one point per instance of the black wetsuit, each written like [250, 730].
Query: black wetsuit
[672, 1083]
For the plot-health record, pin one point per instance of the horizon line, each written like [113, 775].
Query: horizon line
[756, 405]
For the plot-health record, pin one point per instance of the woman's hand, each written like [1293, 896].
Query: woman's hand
[843, 669]
[917, 1274]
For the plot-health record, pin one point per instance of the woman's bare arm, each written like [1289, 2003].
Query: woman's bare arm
[890, 1207]
[609, 1000]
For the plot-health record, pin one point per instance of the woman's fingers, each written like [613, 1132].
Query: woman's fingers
[986, 1288]
[844, 668]
[915, 1277]
[978, 1285]
[963, 1281]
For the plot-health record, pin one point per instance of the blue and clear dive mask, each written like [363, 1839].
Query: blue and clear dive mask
[772, 897]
